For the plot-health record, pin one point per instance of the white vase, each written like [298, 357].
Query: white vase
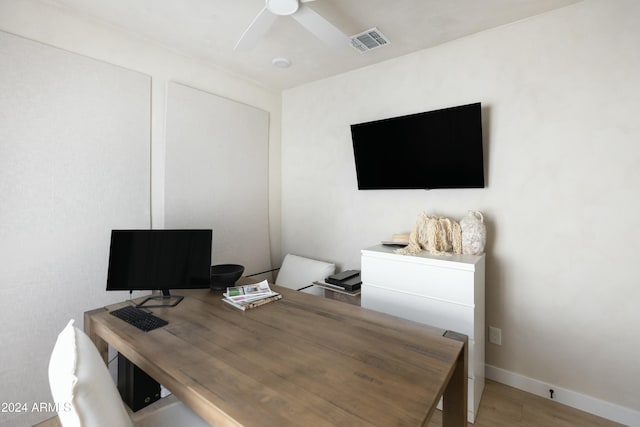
[474, 233]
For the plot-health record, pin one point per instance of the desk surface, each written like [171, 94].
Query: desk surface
[303, 360]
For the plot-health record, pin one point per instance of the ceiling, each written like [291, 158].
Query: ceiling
[209, 29]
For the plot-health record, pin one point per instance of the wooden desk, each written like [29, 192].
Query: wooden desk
[300, 361]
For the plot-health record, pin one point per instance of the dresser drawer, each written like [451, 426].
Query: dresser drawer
[442, 291]
[438, 313]
[471, 358]
[448, 284]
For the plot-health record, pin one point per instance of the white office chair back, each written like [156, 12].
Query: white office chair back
[86, 395]
[81, 385]
[299, 273]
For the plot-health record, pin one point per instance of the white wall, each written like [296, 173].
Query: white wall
[74, 164]
[56, 27]
[25, 342]
[560, 97]
[217, 174]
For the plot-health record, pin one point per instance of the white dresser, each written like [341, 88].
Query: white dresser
[442, 291]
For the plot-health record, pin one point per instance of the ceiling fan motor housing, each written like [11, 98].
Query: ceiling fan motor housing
[282, 7]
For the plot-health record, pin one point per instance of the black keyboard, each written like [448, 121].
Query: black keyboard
[139, 318]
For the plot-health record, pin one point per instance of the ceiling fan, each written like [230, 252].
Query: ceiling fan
[307, 17]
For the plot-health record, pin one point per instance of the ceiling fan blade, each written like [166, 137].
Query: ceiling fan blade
[320, 27]
[258, 28]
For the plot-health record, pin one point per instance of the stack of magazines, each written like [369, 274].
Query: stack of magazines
[250, 296]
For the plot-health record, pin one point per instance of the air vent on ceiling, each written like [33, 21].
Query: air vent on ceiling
[368, 40]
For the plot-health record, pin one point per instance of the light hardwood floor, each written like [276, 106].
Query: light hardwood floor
[504, 406]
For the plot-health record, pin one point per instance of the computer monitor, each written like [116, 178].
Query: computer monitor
[142, 260]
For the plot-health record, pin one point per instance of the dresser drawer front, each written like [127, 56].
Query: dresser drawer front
[448, 284]
[444, 315]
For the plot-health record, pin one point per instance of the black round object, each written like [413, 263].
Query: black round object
[225, 275]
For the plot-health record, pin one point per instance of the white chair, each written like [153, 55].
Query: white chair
[299, 273]
[86, 395]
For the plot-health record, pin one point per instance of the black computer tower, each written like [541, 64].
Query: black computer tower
[136, 388]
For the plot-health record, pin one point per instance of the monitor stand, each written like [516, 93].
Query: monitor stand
[167, 299]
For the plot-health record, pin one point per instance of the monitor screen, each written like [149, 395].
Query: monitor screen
[434, 149]
[159, 259]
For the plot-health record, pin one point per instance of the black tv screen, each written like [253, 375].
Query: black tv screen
[434, 149]
[159, 259]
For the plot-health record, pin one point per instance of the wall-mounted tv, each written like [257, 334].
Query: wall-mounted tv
[434, 149]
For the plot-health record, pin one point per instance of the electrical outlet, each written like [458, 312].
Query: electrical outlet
[495, 335]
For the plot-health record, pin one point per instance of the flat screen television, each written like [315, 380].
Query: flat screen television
[434, 149]
[142, 260]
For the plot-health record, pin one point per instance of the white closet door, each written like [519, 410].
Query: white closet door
[216, 174]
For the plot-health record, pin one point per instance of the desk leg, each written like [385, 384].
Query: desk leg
[454, 404]
[89, 329]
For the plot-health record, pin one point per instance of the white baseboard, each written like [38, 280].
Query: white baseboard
[601, 408]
